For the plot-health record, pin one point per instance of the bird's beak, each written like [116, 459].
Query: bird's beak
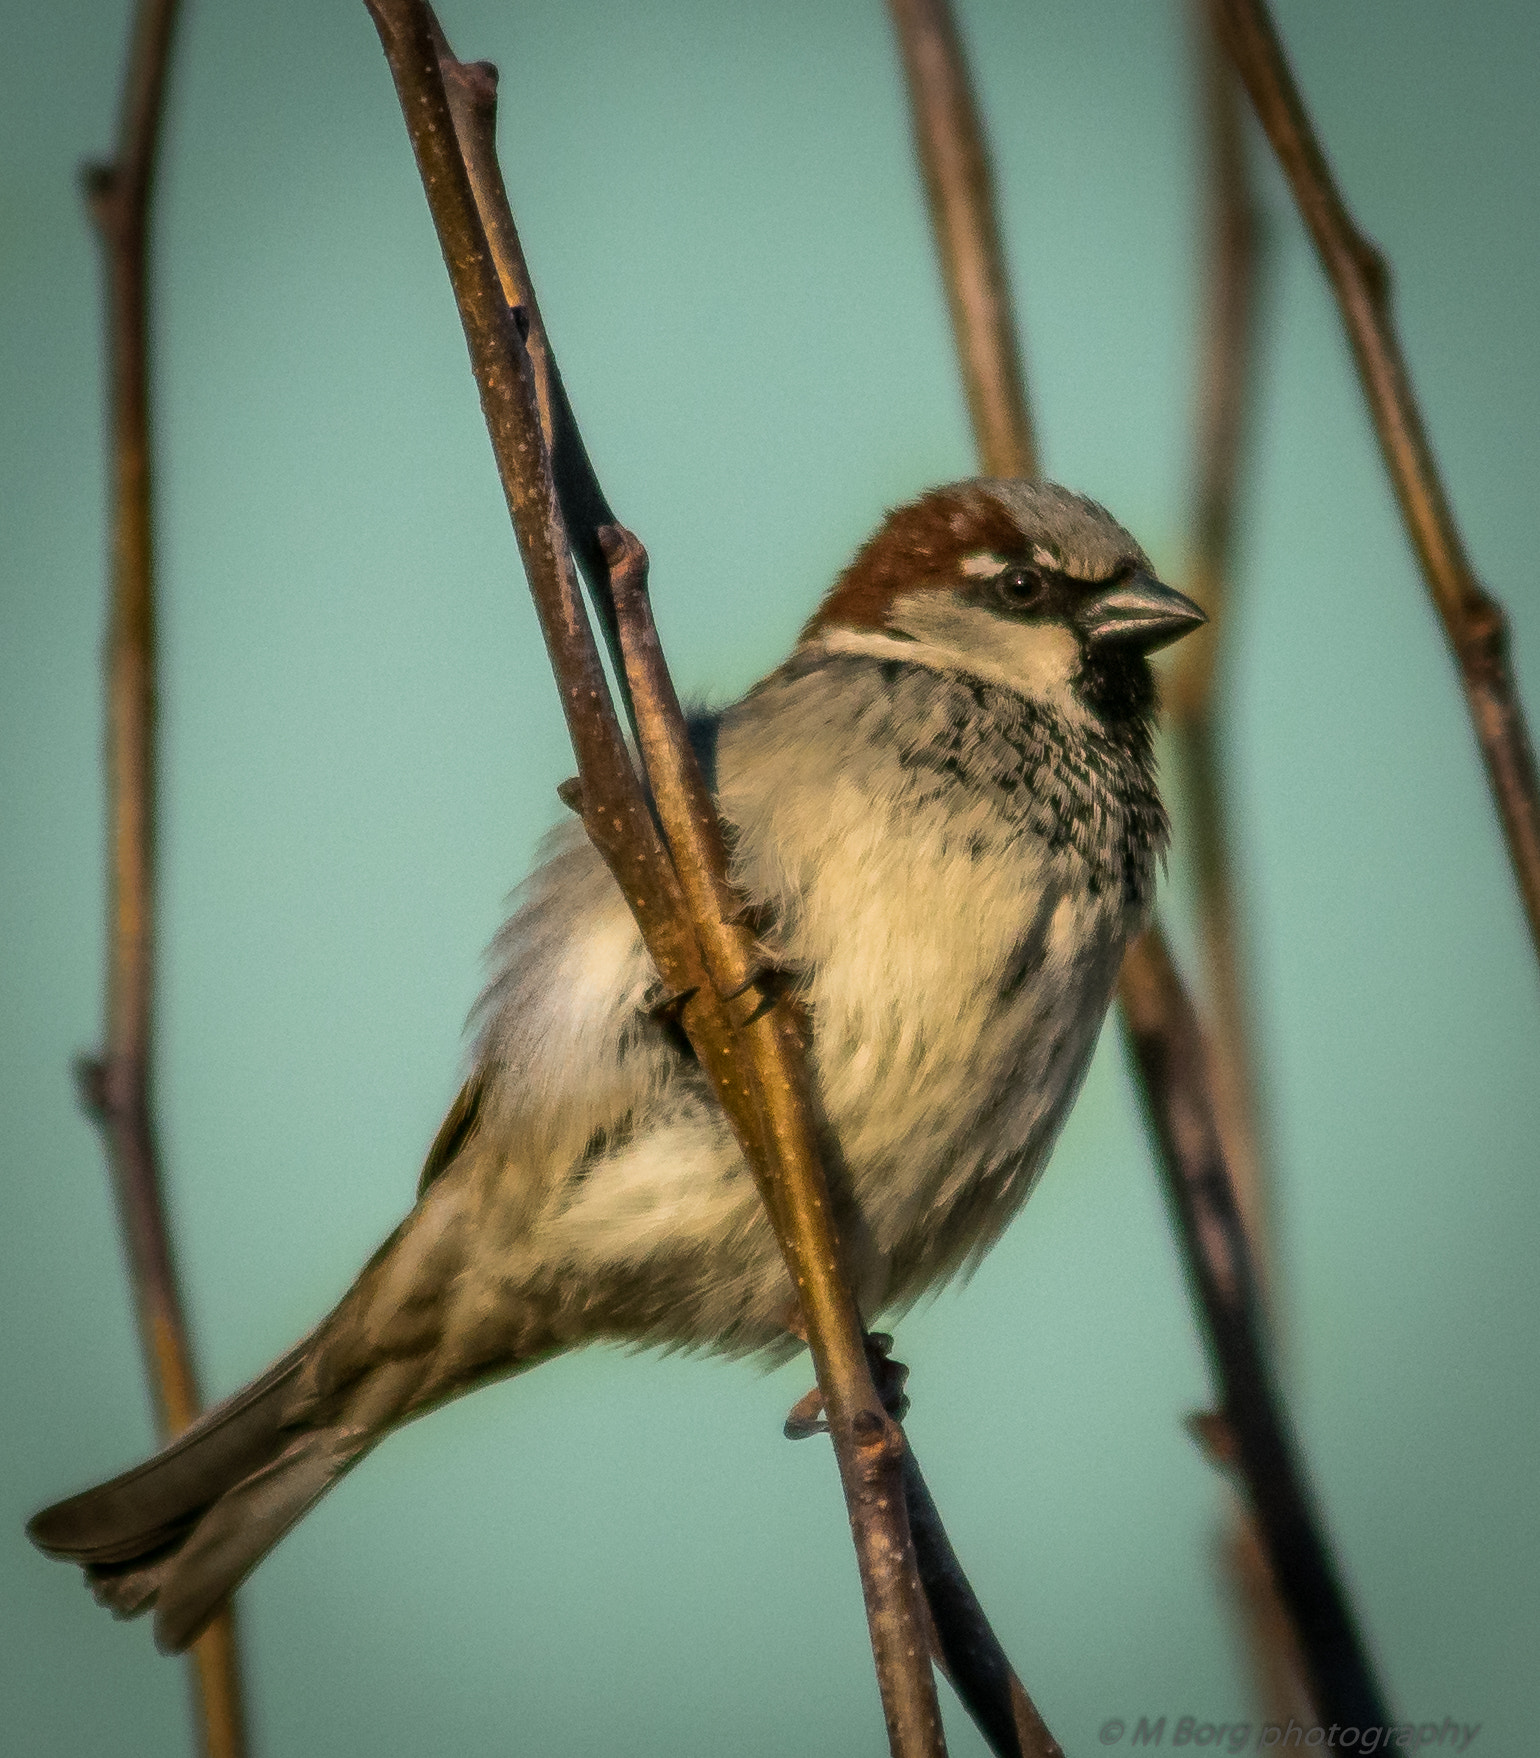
[1139, 612]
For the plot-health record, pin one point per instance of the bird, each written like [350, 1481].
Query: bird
[942, 811]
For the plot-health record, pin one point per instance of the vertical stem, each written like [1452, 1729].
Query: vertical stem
[1227, 379]
[959, 185]
[1226, 384]
[116, 1088]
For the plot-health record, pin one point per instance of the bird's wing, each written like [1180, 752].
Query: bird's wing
[460, 1124]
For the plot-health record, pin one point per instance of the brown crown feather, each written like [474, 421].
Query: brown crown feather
[915, 545]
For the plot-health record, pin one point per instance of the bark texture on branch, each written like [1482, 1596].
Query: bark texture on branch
[115, 1087]
[749, 1036]
[963, 1642]
[1474, 622]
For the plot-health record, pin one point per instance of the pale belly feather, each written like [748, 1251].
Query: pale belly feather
[956, 966]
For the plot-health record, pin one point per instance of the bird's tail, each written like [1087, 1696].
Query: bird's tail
[182, 1531]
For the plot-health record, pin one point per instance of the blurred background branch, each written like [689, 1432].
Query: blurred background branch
[1226, 397]
[1234, 261]
[1475, 624]
[954, 165]
[116, 1087]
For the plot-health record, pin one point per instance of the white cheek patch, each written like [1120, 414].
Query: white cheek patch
[1038, 660]
[983, 566]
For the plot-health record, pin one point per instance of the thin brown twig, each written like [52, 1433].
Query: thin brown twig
[959, 185]
[748, 1034]
[472, 89]
[966, 1647]
[1474, 622]
[1171, 1061]
[1168, 1049]
[115, 1086]
[771, 1035]
[1226, 380]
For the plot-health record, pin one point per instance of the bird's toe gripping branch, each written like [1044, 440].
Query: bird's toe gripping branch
[805, 1418]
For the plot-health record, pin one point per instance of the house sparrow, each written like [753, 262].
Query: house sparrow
[942, 810]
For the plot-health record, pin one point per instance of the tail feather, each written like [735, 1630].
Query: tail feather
[126, 1589]
[151, 1506]
[197, 1577]
[183, 1530]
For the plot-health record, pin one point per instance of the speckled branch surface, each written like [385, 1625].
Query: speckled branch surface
[1474, 622]
[1172, 1064]
[747, 1032]
[115, 1086]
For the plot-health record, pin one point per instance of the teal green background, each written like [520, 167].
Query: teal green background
[360, 746]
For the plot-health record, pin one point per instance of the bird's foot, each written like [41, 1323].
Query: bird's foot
[806, 1417]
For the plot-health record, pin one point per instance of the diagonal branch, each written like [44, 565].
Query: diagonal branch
[749, 1035]
[1474, 622]
[1171, 1062]
[472, 91]
[115, 1087]
[1167, 1042]
[965, 1646]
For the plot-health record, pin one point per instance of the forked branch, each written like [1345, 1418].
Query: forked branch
[1474, 622]
[747, 1032]
[115, 1086]
[472, 90]
[964, 1645]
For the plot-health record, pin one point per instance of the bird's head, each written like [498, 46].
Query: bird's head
[1020, 584]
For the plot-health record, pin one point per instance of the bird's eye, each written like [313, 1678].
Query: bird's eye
[1021, 589]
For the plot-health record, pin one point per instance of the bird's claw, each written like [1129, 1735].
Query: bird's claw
[888, 1376]
[803, 1420]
